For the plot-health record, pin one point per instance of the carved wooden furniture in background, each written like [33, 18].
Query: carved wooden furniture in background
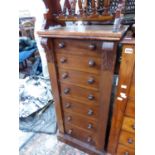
[122, 135]
[81, 65]
[81, 10]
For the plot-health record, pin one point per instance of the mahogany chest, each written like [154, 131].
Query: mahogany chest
[81, 63]
[122, 135]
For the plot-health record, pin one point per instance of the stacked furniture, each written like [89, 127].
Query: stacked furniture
[81, 62]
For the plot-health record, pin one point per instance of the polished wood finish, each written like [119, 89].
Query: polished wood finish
[79, 47]
[123, 150]
[123, 123]
[82, 85]
[80, 134]
[128, 124]
[97, 32]
[127, 139]
[78, 63]
[78, 78]
[84, 146]
[48, 45]
[80, 93]
[78, 121]
[80, 108]
[130, 109]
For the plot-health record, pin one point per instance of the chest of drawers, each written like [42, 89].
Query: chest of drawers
[81, 66]
[122, 135]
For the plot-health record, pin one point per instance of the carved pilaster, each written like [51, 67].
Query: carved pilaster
[48, 50]
[108, 56]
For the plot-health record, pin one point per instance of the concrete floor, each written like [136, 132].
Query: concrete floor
[45, 144]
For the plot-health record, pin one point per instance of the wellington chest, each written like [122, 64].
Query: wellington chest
[81, 61]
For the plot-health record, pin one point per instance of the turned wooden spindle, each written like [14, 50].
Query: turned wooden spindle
[93, 12]
[68, 7]
[58, 8]
[85, 5]
[80, 7]
[106, 7]
[72, 4]
[93, 6]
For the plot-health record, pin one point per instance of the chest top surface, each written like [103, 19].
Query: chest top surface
[84, 32]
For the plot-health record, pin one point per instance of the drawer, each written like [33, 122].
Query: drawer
[78, 47]
[79, 63]
[128, 124]
[82, 109]
[81, 122]
[80, 134]
[130, 109]
[81, 94]
[123, 150]
[82, 79]
[127, 139]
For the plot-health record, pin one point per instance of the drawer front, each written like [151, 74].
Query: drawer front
[74, 62]
[82, 109]
[127, 139]
[81, 94]
[123, 150]
[82, 79]
[130, 109]
[80, 134]
[128, 124]
[81, 122]
[78, 47]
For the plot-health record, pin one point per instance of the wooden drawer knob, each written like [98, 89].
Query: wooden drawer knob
[90, 112]
[65, 75]
[91, 80]
[67, 105]
[90, 97]
[90, 126]
[69, 118]
[130, 141]
[66, 90]
[133, 127]
[91, 63]
[92, 46]
[63, 60]
[61, 45]
[70, 131]
[89, 139]
[126, 153]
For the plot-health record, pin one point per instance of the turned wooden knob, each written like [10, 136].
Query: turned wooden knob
[69, 118]
[126, 153]
[90, 126]
[92, 47]
[133, 126]
[63, 60]
[90, 97]
[61, 45]
[89, 139]
[91, 80]
[67, 105]
[66, 90]
[70, 131]
[90, 112]
[130, 141]
[65, 75]
[91, 63]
